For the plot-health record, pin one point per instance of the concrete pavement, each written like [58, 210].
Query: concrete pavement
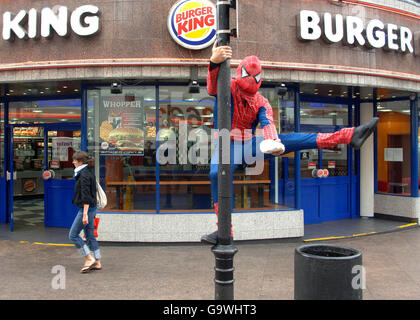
[264, 270]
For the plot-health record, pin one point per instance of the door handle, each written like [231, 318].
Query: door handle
[8, 176]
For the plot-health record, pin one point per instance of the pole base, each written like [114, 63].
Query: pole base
[224, 271]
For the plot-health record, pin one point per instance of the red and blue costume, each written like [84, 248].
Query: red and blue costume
[248, 109]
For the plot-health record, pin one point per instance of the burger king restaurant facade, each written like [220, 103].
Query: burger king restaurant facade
[126, 81]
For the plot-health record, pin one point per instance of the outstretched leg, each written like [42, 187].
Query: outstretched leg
[355, 137]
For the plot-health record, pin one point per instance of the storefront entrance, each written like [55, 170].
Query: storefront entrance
[38, 183]
[41, 182]
[328, 176]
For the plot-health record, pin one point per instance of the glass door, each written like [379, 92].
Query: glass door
[324, 172]
[3, 202]
[60, 143]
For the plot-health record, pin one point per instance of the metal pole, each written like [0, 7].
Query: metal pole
[224, 249]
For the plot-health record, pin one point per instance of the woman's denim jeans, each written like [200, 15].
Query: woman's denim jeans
[92, 246]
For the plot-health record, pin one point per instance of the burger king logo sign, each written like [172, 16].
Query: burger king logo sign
[192, 23]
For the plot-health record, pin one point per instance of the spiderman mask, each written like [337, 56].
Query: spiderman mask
[248, 75]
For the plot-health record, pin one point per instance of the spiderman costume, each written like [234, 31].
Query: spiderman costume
[248, 109]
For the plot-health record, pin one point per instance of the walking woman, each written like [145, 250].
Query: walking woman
[85, 199]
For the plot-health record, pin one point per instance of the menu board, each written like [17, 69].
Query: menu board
[121, 121]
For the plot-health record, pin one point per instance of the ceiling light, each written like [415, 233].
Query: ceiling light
[65, 87]
[37, 111]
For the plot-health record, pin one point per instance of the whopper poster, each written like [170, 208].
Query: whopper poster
[121, 125]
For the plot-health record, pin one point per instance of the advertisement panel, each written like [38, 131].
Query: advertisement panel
[121, 125]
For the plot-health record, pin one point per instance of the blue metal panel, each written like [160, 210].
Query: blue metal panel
[84, 108]
[9, 142]
[351, 190]
[310, 203]
[357, 118]
[414, 147]
[334, 201]
[3, 211]
[290, 193]
[59, 210]
[298, 203]
[325, 199]
[375, 143]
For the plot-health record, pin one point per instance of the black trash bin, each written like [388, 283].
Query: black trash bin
[327, 272]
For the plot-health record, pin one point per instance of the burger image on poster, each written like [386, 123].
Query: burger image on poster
[127, 139]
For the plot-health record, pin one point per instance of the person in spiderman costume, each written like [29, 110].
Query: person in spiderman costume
[249, 108]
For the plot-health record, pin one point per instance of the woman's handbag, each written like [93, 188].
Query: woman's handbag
[100, 196]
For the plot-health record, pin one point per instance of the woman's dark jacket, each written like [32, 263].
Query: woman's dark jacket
[85, 189]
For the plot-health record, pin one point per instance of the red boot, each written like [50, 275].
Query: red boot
[212, 237]
[329, 140]
[355, 137]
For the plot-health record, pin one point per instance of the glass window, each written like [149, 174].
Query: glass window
[255, 193]
[185, 131]
[324, 117]
[283, 110]
[62, 144]
[125, 139]
[393, 143]
[2, 159]
[121, 138]
[45, 111]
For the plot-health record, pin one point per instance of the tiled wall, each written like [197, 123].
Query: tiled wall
[406, 207]
[190, 227]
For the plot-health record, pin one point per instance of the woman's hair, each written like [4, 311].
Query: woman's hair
[84, 157]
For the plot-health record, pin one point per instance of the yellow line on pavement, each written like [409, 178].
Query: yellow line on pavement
[363, 234]
[408, 225]
[359, 234]
[327, 238]
[50, 244]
